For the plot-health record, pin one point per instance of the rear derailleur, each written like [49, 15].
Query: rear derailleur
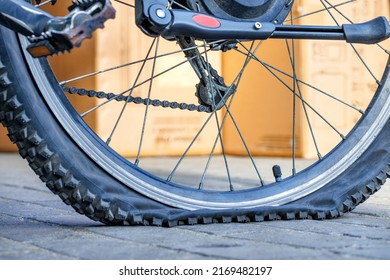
[211, 90]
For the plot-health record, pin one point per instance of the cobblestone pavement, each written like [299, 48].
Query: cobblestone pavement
[35, 224]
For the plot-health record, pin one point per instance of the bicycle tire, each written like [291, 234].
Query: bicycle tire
[88, 184]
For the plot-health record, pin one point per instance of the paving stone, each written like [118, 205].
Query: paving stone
[25, 194]
[12, 250]
[31, 210]
[217, 246]
[336, 228]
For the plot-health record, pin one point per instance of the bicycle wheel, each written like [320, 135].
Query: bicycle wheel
[154, 145]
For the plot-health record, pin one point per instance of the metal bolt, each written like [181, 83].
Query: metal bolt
[258, 25]
[161, 13]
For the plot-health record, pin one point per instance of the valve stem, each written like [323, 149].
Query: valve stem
[277, 173]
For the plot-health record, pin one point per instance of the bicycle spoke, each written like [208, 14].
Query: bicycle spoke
[309, 85]
[170, 176]
[294, 121]
[350, 21]
[292, 56]
[43, 3]
[219, 137]
[236, 81]
[245, 145]
[319, 11]
[227, 108]
[224, 153]
[304, 107]
[115, 96]
[132, 63]
[352, 45]
[178, 4]
[298, 87]
[124, 3]
[304, 101]
[148, 104]
[130, 93]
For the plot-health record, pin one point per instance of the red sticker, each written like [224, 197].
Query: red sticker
[206, 21]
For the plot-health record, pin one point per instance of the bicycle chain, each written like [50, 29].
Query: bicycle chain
[147, 101]
[136, 100]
